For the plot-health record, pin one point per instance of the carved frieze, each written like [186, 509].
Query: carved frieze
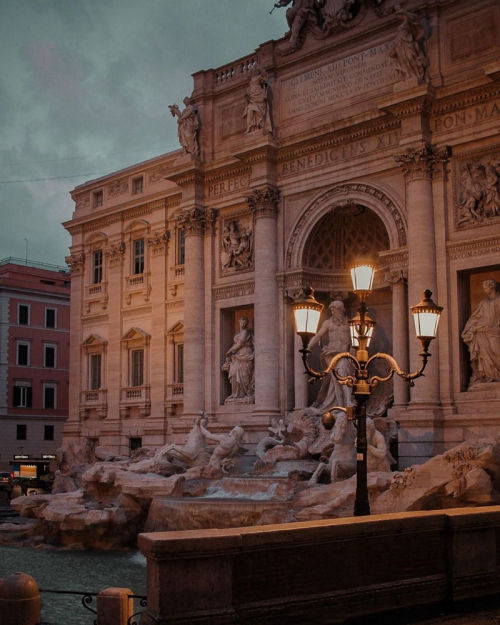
[478, 247]
[117, 187]
[158, 242]
[477, 190]
[239, 289]
[421, 162]
[115, 252]
[236, 245]
[264, 202]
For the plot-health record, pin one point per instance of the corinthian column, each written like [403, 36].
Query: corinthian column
[193, 222]
[417, 165]
[264, 205]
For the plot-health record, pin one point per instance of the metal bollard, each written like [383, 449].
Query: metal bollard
[19, 600]
[114, 606]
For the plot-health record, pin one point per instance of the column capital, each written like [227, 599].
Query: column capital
[75, 262]
[395, 276]
[195, 220]
[264, 202]
[421, 162]
[158, 242]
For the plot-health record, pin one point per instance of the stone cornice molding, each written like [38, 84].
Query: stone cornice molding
[394, 261]
[417, 101]
[420, 162]
[227, 172]
[339, 138]
[263, 153]
[239, 289]
[293, 282]
[193, 175]
[264, 202]
[461, 100]
[478, 247]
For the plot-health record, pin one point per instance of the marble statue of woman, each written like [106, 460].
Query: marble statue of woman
[407, 52]
[188, 126]
[239, 364]
[482, 336]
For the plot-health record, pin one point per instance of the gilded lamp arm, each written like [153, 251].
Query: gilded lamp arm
[350, 380]
[394, 368]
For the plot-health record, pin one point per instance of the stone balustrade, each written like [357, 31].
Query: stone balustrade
[321, 571]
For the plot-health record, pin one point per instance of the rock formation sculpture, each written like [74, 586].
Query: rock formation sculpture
[239, 365]
[407, 51]
[257, 110]
[482, 336]
[188, 127]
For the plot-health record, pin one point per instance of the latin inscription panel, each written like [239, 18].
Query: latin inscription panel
[346, 78]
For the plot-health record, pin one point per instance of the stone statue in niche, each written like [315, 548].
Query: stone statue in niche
[482, 336]
[480, 192]
[334, 335]
[239, 365]
[407, 50]
[188, 127]
[257, 110]
[237, 249]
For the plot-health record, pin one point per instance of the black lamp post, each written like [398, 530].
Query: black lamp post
[306, 314]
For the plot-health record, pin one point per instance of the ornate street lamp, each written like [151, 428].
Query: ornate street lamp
[307, 312]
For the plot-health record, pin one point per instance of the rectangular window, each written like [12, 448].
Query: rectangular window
[98, 198]
[49, 356]
[21, 396]
[50, 317]
[137, 185]
[134, 443]
[97, 266]
[48, 432]
[95, 372]
[23, 353]
[179, 363]
[21, 432]
[139, 256]
[49, 396]
[181, 247]
[137, 377]
[23, 315]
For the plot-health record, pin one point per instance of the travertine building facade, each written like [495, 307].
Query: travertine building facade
[369, 128]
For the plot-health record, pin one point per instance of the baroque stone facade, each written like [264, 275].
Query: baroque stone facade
[367, 128]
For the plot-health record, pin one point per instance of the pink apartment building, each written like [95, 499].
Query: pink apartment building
[34, 350]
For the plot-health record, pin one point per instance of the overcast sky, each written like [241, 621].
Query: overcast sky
[84, 90]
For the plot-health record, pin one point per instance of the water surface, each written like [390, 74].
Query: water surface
[85, 571]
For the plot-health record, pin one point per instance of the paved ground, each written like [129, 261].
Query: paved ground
[485, 617]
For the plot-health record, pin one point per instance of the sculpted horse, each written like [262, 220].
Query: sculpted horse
[342, 461]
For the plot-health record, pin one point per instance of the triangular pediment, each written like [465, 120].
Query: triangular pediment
[177, 328]
[93, 340]
[135, 334]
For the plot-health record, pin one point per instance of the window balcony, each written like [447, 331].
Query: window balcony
[137, 397]
[96, 291]
[94, 400]
[175, 391]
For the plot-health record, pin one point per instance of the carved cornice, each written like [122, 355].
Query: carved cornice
[187, 177]
[264, 202]
[394, 260]
[158, 204]
[339, 138]
[417, 163]
[101, 223]
[224, 173]
[463, 100]
[239, 289]
[139, 211]
[293, 282]
[263, 153]
[478, 247]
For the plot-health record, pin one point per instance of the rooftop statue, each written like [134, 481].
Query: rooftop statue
[188, 127]
[407, 51]
[482, 336]
[298, 15]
